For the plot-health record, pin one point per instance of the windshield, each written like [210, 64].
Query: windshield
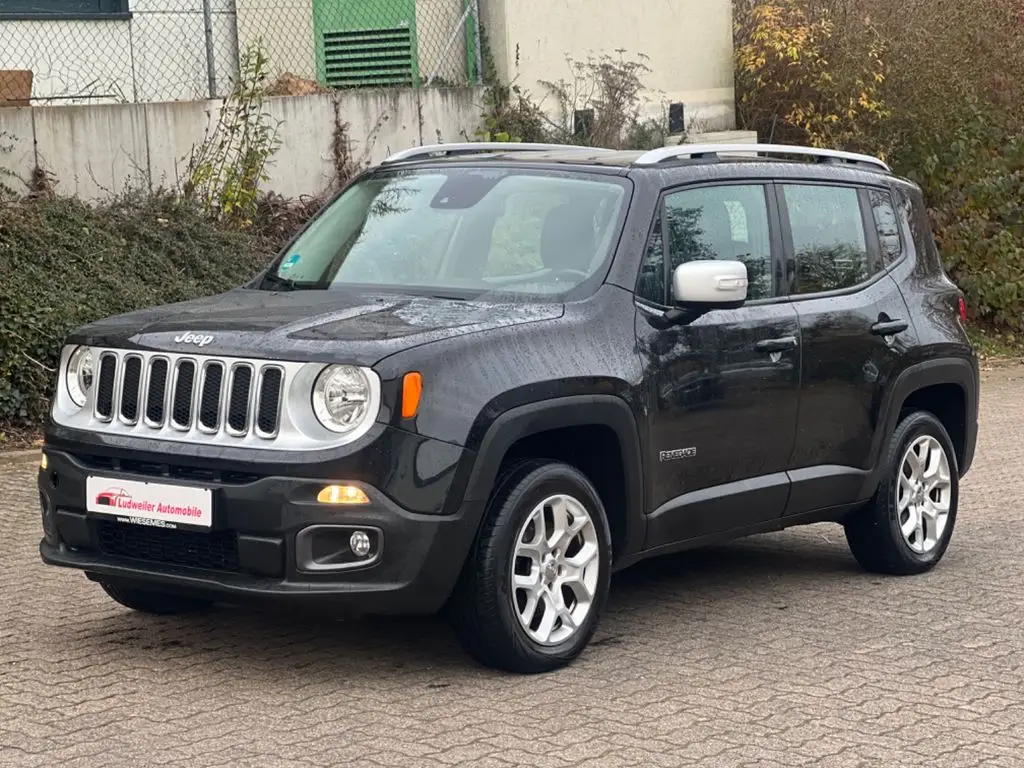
[459, 232]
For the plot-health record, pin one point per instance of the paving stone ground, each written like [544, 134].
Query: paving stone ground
[773, 651]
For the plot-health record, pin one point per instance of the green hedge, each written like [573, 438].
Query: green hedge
[974, 183]
[64, 263]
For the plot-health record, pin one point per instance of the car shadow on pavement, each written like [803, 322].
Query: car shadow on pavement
[272, 642]
[817, 552]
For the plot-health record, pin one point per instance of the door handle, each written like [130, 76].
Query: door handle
[889, 327]
[769, 346]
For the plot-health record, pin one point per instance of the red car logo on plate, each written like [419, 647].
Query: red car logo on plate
[110, 496]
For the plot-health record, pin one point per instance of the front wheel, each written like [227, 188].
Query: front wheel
[534, 586]
[907, 526]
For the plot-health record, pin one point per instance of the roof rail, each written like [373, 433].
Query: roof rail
[479, 147]
[695, 151]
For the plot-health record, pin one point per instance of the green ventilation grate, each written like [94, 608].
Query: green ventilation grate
[369, 57]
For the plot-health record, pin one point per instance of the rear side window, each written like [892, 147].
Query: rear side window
[829, 242]
[728, 222]
[884, 214]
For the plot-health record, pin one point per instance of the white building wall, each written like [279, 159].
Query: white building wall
[71, 61]
[157, 55]
[437, 24]
[285, 31]
[160, 53]
[688, 43]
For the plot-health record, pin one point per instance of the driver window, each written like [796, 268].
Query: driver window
[728, 222]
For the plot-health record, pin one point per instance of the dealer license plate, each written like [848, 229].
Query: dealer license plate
[164, 506]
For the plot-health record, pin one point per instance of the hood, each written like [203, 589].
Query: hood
[311, 326]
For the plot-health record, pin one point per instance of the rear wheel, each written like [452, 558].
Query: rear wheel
[148, 601]
[907, 526]
[534, 586]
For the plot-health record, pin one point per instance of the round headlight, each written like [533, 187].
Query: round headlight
[342, 398]
[79, 376]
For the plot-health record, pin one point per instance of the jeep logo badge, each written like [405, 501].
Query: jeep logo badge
[193, 338]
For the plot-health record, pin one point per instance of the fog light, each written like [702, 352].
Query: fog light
[359, 543]
[342, 494]
[324, 548]
[43, 462]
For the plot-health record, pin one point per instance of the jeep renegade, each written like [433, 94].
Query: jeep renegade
[484, 377]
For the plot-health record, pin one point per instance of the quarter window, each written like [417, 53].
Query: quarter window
[829, 242]
[712, 223]
[885, 222]
[651, 284]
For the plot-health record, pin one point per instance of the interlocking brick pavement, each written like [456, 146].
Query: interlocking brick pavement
[773, 651]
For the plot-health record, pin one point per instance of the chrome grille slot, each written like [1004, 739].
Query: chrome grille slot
[240, 391]
[105, 387]
[268, 401]
[156, 392]
[184, 388]
[210, 397]
[131, 389]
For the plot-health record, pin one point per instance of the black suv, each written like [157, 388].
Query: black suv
[485, 377]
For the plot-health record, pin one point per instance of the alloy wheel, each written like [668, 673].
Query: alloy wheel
[555, 570]
[923, 494]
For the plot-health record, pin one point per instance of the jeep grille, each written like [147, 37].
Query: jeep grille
[204, 400]
[190, 393]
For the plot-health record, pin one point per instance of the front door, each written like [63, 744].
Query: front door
[722, 391]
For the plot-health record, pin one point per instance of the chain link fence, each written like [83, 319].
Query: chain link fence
[96, 51]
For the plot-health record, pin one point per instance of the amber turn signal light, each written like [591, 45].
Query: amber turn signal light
[412, 389]
[342, 494]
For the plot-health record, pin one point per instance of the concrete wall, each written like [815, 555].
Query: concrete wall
[95, 151]
[157, 55]
[688, 42]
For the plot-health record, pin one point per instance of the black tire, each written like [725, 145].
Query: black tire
[481, 609]
[148, 601]
[873, 533]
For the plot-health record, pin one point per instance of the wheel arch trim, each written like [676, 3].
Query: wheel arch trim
[959, 371]
[558, 413]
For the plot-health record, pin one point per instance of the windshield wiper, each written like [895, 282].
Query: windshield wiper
[446, 297]
[280, 283]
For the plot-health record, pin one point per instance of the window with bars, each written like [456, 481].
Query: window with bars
[61, 9]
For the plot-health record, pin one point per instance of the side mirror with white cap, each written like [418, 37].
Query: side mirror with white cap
[707, 285]
[698, 287]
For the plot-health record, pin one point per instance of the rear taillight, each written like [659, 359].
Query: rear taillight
[962, 306]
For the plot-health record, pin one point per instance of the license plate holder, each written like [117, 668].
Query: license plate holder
[156, 504]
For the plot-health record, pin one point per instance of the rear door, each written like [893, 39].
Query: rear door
[841, 243]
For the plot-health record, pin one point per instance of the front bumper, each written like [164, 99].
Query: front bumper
[259, 546]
